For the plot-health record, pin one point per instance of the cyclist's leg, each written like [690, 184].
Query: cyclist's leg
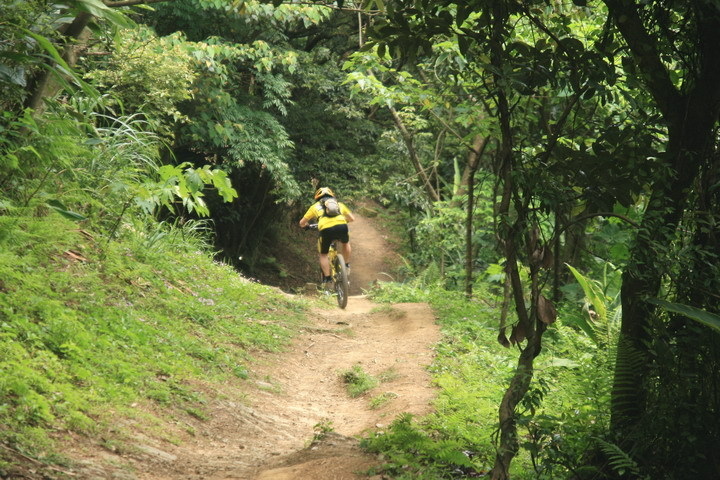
[323, 249]
[344, 237]
[325, 264]
[347, 250]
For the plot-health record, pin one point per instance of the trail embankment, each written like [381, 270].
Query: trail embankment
[264, 428]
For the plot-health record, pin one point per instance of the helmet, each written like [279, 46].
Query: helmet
[321, 192]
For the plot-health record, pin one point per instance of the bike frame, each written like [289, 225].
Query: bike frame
[338, 271]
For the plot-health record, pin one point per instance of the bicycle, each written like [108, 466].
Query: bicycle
[338, 272]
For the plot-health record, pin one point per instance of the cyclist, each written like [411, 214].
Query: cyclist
[330, 227]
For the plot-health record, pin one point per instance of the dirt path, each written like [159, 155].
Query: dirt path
[372, 256]
[266, 436]
[263, 428]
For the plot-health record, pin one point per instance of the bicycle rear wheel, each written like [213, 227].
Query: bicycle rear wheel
[342, 285]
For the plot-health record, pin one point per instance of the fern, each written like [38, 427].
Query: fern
[629, 360]
[620, 461]
[412, 451]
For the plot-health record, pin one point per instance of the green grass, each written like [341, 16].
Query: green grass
[388, 375]
[382, 399]
[568, 397]
[322, 429]
[388, 311]
[89, 328]
[357, 381]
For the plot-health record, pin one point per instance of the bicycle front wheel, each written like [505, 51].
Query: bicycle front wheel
[342, 285]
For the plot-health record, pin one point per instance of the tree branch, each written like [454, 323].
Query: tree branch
[130, 3]
[555, 132]
[644, 49]
[407, 137]
[599, 214]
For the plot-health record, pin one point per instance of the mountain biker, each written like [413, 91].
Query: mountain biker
[330, 227]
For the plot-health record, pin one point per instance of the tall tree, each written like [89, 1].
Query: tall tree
[514, 76]
[665, 50]
[674, 48]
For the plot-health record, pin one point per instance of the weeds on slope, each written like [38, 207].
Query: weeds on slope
[90, 328]
[566, 405]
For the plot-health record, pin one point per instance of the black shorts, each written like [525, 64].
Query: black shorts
[337, 232]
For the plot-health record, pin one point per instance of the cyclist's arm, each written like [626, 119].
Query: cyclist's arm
[308, 217]
[349, 217]
[304, 221]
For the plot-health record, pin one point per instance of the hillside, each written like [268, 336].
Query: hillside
[255, 423]
[263, 429]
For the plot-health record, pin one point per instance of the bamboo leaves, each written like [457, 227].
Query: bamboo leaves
[598, 322]
[701, 316]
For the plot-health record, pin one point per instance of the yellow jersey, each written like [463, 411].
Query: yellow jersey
[317, 212]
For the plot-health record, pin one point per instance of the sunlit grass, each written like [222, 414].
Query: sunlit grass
[89, 328]
[357, 381]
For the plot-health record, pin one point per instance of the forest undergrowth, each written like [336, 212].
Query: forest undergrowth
[560, 419]
[96, 330]
[93, 331]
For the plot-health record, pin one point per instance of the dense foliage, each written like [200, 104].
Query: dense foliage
[562, 417]
[550, 160]
[598, 115]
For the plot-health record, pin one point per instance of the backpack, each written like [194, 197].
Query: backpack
[331, 206]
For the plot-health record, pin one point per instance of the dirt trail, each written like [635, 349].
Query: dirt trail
[372, 255]
[266, 437]
[263, 429]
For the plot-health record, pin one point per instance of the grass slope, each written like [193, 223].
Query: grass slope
[90, 326]
[565, 408]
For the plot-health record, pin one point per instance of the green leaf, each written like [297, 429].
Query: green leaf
[572, 45]
[563, 362]
[463, 12]
[9, 161]
[100, 10]
[62, 67]
[62, 210]
[586, 326]
[706, 318]
[382, 48]
[194, 180]
[591, 292]
[464, 44]
[49, 48]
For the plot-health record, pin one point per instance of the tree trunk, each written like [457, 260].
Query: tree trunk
[508, 232]
[473, 163]
[691, 117]
[469, 179]
[643, 275]
[433, 195]
[469, 237]
[519, 386]
[44, 85]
